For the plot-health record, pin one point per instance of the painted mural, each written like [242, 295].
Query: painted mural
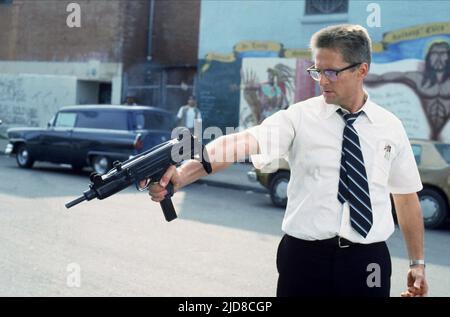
[272, 84]
[269, 78]
[268, 85]
[411, 78]
[218, 91]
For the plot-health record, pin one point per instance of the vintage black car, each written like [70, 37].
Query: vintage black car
[94, 135]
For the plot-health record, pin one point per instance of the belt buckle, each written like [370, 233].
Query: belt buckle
[342, 246]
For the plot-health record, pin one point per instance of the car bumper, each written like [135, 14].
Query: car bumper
[9, 149]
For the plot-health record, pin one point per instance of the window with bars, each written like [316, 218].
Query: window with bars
[321, 7]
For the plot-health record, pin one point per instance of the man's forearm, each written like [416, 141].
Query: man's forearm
[410, 219]
[222, 153]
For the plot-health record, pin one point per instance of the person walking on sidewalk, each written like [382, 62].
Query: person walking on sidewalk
[346, 154]
[188, 115]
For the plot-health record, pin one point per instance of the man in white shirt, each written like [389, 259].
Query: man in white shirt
[346, 155]
[189, 114]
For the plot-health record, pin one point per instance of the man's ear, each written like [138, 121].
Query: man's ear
[363, 70]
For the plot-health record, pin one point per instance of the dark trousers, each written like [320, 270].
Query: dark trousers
[322, 268]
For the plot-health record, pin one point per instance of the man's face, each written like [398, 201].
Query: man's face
[341, 91]
[191, 102]
[439, 57]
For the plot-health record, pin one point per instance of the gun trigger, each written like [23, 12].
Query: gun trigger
[143, 189]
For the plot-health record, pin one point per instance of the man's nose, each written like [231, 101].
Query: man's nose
[323, 80]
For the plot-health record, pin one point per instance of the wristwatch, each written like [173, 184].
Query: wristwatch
[205, 160]
[416, 262]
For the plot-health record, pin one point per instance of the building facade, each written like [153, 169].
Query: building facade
[58, 53]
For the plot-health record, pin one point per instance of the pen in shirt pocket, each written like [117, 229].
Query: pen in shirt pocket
[387, 152]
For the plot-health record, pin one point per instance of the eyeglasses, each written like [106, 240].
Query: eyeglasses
[331, 74]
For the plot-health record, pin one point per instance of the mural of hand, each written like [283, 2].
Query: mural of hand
[251, 88]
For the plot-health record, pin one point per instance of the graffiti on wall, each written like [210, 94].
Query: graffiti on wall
[31, 100]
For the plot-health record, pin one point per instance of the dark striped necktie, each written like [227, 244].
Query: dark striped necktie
[353, 185]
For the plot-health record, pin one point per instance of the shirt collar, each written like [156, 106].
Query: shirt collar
[367, 108]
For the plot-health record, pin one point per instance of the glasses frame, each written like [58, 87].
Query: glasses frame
[336, 71]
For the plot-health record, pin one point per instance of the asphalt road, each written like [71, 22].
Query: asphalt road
[223, 243]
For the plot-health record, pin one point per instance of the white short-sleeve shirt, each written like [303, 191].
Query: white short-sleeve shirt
[191, 115]
[309, 135]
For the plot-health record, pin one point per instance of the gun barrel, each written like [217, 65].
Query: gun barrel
[75, 201]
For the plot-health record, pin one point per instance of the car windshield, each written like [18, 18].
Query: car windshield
[444, 150]
[65, 120]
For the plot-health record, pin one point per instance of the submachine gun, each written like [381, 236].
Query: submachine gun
[149, 166]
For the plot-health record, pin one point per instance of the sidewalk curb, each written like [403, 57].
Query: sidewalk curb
[232, 186]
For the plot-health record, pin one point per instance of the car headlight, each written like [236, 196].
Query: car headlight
[9, 149]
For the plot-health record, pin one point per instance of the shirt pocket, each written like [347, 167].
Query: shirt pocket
[384, 152]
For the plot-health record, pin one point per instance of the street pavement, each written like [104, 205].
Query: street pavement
[223, 244]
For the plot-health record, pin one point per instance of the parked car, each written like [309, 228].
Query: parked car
[433, 161]
[95, 135]
[275, 182]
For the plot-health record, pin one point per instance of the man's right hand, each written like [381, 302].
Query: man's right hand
[157, 190]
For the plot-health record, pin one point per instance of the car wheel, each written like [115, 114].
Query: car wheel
[278, 188]
[101, 164]
[434, 208]
[23, 157]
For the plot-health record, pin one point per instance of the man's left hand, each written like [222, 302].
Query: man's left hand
[416, 282]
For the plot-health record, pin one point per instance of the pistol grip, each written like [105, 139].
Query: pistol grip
[167, 205]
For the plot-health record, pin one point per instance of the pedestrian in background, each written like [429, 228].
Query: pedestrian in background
[189, 114]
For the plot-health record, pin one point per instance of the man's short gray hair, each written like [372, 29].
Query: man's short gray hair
[352, 41]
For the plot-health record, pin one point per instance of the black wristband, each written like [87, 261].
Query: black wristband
[205, 160]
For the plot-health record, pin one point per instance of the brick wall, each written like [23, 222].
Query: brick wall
[111, 31]
[37, 31]
[176, 32]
